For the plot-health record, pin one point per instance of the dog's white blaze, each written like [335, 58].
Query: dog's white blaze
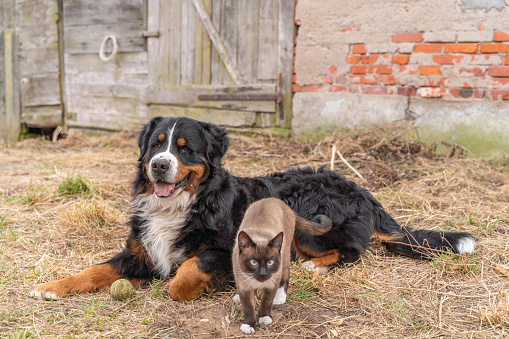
[466, 245]
[164, 220]
[170, 175]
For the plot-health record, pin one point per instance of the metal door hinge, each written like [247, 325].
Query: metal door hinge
[150, 34]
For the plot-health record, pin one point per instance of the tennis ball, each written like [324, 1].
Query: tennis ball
[122, 289]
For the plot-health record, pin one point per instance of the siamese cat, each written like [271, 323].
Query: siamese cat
[261, 256]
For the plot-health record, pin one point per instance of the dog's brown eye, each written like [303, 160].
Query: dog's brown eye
[156, 146]
[184, 149]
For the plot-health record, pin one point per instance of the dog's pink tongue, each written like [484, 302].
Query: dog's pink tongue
[163, 189]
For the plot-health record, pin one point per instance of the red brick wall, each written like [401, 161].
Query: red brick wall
[420, 64]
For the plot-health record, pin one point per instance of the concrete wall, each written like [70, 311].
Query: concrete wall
[445, 63]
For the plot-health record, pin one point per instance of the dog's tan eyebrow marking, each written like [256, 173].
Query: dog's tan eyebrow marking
[181, 142]
[161, 137]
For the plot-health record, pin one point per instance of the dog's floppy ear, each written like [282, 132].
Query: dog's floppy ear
[145, 134]
[217, 142]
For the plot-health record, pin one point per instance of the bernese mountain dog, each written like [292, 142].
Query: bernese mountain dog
[187, 208]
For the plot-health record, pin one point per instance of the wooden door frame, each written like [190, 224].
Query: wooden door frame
[188, 96]
[10, 110]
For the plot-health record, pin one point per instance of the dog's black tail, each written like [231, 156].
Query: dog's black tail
[418, 243]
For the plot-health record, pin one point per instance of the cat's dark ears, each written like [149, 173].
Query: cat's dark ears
[277, 242]
[244, 241]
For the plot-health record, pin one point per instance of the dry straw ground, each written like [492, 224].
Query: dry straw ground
[49, 232]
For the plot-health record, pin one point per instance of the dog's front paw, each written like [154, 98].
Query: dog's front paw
[310, 266]
[247, 329]
[53, 290]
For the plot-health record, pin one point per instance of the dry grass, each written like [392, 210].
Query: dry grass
[47, 235]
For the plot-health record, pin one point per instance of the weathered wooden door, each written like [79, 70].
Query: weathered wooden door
[30, 77]
[224, 61]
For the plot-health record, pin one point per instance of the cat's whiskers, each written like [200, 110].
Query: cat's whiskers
[249, 278]
[274, 279]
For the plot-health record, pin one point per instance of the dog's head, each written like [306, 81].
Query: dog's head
[177, 154]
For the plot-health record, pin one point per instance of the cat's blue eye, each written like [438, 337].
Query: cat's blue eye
[270, 262]
[254, 262]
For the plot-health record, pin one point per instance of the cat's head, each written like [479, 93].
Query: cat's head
[257, 259]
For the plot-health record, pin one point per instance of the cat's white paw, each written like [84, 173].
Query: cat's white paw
[310, 266]
[265, 320]
[247, 329]
[280, 297]
[236, 298]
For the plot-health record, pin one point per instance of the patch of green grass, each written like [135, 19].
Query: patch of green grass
[3, 221]
[396, 306]
[47, 164]
[236, 312]
[32, 195]
[20, 199]
[90, 307]
[454, 263]
[74, 185]
[491, 225]
[20, 333]
[155, 287]
[302, 289]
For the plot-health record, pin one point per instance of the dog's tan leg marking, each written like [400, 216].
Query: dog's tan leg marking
[189, 281]
[88, 280]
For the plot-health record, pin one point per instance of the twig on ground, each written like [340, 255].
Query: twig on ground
[440, 308]
[351, 167]
[332, 157]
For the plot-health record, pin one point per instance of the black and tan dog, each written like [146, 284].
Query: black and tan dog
[187, 209]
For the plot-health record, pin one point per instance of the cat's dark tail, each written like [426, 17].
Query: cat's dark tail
[418, 243]
[323, 225]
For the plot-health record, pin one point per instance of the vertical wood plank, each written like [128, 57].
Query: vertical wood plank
[198, 56]
[163, 54]
[206, 52]
[12, 126]
[285, 57]
[229, 33]
[173, 49]
[3, 116]
[61, 64]
[153, 43]
[267, 60]
[215, 59]
[10, 113]
[219, 45]
[188, 41]
[247, 56]
[8, 13]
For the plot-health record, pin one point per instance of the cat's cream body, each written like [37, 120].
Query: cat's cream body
[266, 235]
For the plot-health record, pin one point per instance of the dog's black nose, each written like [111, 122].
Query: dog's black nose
[160, 166]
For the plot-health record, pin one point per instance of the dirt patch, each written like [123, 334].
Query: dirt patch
[47, 235]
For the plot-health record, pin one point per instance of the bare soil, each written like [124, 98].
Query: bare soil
[47, 236]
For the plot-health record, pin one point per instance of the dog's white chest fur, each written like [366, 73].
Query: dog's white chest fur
[164, 220]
